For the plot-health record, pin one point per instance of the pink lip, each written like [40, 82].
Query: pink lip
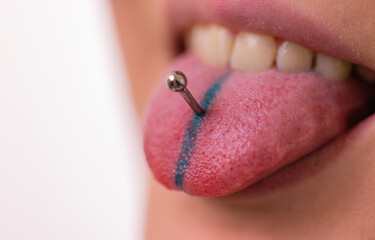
[272, 17]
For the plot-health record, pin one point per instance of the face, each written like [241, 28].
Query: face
[284, 149]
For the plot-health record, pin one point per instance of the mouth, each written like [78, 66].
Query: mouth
[275, 87]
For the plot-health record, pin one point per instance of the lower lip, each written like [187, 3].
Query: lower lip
[234, 169]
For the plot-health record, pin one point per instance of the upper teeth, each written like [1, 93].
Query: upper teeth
[213, 44]
[292, 57]
[252, 52]
[332, 68]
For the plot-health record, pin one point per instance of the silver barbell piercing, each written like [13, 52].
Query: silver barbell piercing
[177, 82]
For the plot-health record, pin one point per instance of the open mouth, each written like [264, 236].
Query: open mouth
[272, 95]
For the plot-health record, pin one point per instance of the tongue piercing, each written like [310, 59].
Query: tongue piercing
[177, 82]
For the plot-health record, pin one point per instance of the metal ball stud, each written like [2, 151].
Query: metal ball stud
[177, 82]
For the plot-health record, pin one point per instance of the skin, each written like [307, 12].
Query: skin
[338, 202]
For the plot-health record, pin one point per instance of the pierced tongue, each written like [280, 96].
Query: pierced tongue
[254, 125]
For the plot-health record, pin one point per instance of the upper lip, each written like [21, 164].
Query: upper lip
[280, 19]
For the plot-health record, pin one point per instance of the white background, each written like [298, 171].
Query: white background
[70, 156]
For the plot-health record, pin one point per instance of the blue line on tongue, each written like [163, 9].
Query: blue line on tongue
[192, 129]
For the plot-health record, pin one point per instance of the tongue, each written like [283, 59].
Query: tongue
[254, 125]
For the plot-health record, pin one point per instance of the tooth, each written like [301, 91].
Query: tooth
[213, 44]
[292, 57]
[365, 73]
[253, 52]
[332, 68]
